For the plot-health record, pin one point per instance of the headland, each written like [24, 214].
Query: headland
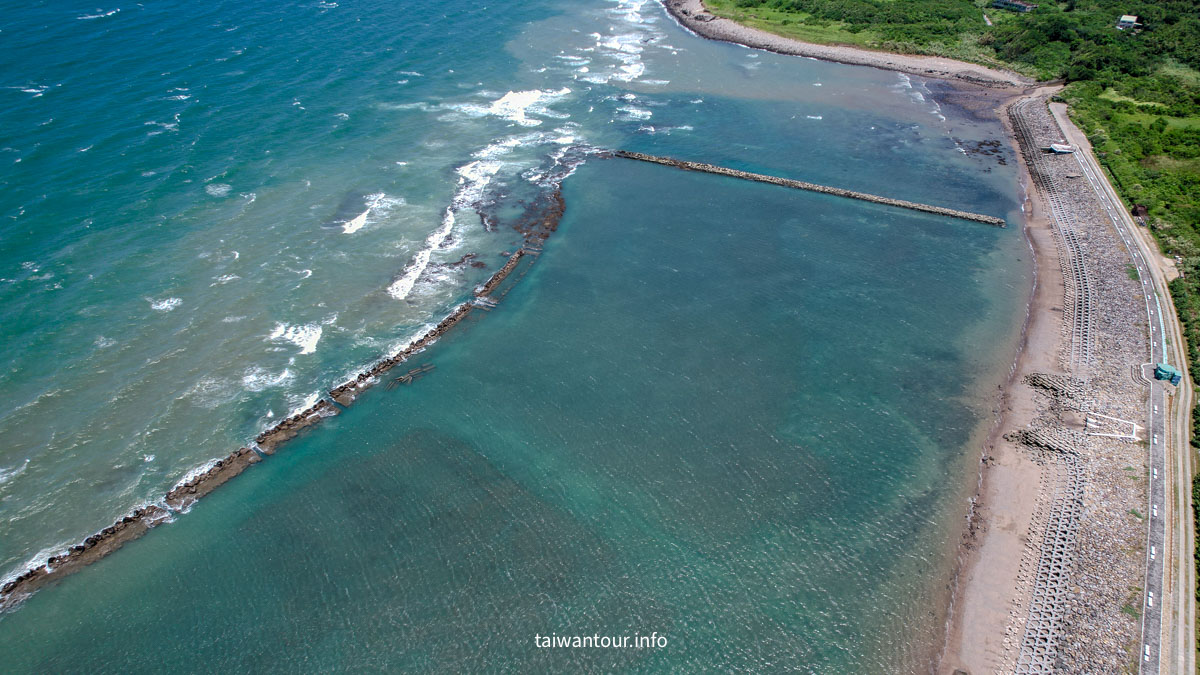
[696, 17]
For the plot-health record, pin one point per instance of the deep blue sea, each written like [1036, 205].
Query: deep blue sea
[741, 417]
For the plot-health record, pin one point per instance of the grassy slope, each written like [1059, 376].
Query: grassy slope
[783, 20]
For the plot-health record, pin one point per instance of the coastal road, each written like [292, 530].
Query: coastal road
[1168, 613]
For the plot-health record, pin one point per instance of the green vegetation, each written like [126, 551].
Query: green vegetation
[1076, 39]
[1135, 93]
[1196, 515]
[1135, 514]
[1132, 272]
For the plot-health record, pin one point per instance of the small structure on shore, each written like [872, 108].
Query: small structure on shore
[1127, 21]
[1014, 5]
[1163, 371]
[1059, 148]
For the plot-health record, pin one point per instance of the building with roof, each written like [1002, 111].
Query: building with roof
[1014, 5]
[1127, 21]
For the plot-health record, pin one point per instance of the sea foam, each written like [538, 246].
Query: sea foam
[12, 472]
[101, 14]
[164, 305]
[517, 106]
[257, 378]
[304, 336]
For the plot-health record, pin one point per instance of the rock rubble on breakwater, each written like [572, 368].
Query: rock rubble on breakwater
[289, 428]
[812, 187]
[186, 493]
[91, 549]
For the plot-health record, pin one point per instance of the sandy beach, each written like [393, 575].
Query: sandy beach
[988, 592]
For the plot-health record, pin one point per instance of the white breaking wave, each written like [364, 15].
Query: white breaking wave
[258, 379]
[623, 46]
[36, 89]
[401, 287]
[210, 392]
[516, 106]
[305, 336]
[475, 176]
[163, 126]
[906, 86]
[356, 224]
[299, 404]
[626, 50]
[38, 560]
[196, 472]
[164, 305]
[12, 472]
[653, 130]
[218, 189]
[375, 203]
[631, 112]
[473, 180]
[101, 14]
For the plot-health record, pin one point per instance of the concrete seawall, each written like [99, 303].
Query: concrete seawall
[812, 187]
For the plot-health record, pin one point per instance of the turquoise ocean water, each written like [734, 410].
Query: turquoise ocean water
[734, 415]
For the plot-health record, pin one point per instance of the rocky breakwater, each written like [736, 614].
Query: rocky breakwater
[128, 527]
[536, 224]
[91, 549]
[346, 392]
[187, 492]
[289, 428]
[811, 187]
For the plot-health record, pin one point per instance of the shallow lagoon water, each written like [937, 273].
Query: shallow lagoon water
[729, 413]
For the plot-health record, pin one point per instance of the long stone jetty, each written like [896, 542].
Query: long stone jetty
[811, 187]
